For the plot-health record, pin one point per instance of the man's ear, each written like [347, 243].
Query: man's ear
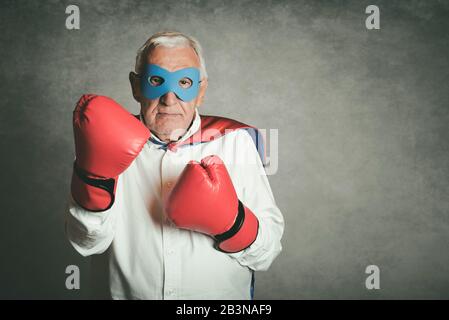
[134, 79]
[202, 92]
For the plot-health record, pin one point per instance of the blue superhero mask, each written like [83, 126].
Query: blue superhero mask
[157, 81]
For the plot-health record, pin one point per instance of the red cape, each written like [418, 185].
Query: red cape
[214, 127]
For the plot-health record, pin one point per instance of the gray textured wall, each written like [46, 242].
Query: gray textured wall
[362, 117]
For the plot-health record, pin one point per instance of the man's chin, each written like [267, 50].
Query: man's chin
[172, 131]
[169, 122]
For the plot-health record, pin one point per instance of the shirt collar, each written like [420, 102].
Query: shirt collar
[196, 124]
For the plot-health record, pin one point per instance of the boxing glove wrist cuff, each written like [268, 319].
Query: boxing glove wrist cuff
[90, 193]
[236, 226]
[241, 235]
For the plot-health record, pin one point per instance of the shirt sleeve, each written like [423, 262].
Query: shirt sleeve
[255, 194]
[91, 232]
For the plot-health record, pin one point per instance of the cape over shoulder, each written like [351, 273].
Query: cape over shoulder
[214, 127]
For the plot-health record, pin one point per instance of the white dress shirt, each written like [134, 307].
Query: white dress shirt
[148, 257]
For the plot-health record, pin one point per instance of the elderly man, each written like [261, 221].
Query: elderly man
[178, 203]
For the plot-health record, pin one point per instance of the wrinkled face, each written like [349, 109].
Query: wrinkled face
[168, 116]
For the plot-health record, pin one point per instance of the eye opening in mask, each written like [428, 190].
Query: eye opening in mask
[155, 81]
[188, 84]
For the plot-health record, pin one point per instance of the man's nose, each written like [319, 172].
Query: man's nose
[169, 98]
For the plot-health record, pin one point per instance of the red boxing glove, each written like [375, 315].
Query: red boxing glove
[204, 200]
[107, 140]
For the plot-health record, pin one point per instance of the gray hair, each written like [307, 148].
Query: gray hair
[170, 39]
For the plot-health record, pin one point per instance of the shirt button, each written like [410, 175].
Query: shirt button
[169, 185]
[170, 292]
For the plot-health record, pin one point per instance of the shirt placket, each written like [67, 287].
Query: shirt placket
[172, 266]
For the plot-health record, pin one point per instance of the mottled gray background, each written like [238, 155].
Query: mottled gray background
[362, 117]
